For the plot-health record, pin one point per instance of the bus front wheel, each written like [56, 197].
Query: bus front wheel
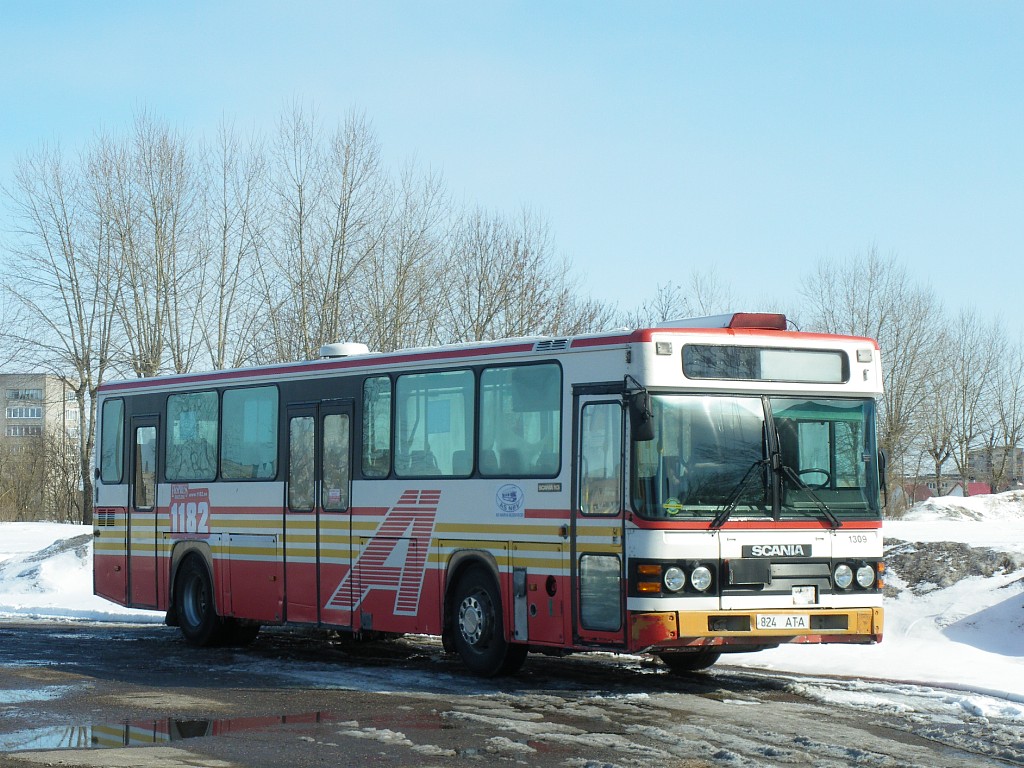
[479, 631]
[689, 661]
[194, 604]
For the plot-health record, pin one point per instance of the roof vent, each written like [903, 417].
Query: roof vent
[343, 349]
[551, 345]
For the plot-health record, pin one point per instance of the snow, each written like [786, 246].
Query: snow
[965, 639]
[46, 572]
[968, 636]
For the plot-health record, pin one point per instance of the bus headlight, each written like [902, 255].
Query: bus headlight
[701, 578]
[843, 576]
[865, 576]
[674, 579]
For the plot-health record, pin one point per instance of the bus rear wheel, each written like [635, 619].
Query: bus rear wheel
[194, 604]
[479, 631]
[681, 662]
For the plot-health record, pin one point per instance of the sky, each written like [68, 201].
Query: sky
[748, 139]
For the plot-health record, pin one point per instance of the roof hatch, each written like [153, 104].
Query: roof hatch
[343, 349]
[764, 321]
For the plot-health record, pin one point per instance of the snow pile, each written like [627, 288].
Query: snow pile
[954, 616]
[46, 571]
[954, 613]
[1007, 506]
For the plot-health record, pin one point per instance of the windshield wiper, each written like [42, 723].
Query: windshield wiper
[734, 497]
[790, 474]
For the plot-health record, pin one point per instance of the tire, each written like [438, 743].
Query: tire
[194, 604]
[190, 729]
[239, 632]
[478, 629]
[681, 662]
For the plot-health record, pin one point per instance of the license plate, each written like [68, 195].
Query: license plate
[783, 621]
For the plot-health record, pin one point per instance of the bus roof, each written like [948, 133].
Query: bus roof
[734, 325]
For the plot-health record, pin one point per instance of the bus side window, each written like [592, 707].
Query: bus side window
[192, 436]
[376, 441]
[520, 421]
[112, 442]
[301, 448]
[145, 468]
[600, 467]
[335, 462]
[249, 446]
[435, 415]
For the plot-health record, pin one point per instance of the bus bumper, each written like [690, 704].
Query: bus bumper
[753, 630]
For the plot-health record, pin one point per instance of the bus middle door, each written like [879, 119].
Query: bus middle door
[317, 511]
[335, 550]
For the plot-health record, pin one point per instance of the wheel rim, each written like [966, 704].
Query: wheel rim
[195, 601]
[473, 620]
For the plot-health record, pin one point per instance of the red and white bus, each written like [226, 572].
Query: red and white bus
[686, 491]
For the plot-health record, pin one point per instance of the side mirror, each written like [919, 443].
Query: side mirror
[641, 417]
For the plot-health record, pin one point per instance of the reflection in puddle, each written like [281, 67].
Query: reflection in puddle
[22, 695]
[137, 733]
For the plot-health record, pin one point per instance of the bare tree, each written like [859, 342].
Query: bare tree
[404, 275]
[356, 205]
[287, 276]
[972, 363]
[327, 200]
[703, 294]
[873, 296]
[473, 302]
[60, 477]
[505, 280]
[992, 458]
[22, 493]
[1005, 431]
[230, 240]
[937, 427]
[69, 282]
[151, 186]
[574, 313]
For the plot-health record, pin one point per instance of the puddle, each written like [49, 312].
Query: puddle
[135, 733]
[9, 696]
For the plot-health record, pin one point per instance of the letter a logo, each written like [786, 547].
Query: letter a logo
[395, 558]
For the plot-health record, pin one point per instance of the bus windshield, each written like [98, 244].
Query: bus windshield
[713, 454]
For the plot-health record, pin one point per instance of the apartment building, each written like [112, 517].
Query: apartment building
[1003, 465]
[39, 472]
[34, 404]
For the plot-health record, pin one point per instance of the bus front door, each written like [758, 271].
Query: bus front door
[598, 576]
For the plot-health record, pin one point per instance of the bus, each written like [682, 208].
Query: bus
[712, 486]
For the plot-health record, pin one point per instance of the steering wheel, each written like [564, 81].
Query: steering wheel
[816, 471]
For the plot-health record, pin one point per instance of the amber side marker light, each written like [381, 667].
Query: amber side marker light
[652, 572]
